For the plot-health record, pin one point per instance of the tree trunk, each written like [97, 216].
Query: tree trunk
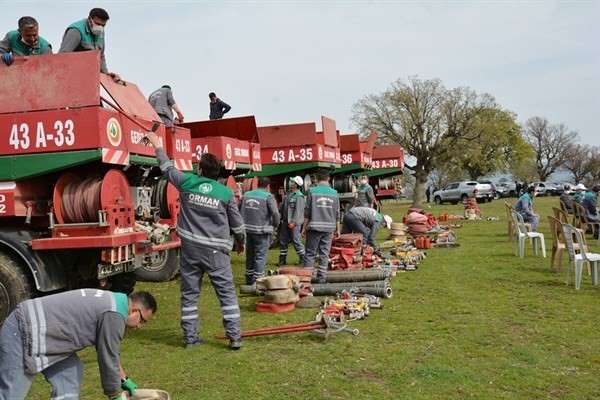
[420, 183]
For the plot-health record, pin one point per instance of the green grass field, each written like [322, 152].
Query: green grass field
[471, 322]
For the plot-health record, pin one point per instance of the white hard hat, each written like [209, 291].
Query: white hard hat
[297, 180]
[388, 221]
[580, 186]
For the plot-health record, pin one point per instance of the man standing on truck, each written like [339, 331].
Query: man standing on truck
[261, 218]
[163, 103]
[321, 220]
[208, 216]
[218, 107]
[88, 34]
[24, 42]
[292, 216]
[365, 197]
[44, 335]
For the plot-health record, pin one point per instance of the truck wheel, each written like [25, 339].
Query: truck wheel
[438, 200]
[463, 197]
[15, 285]
[164, 267]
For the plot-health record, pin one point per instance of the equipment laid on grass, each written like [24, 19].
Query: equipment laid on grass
[330, 319]
[281, 290]
[381, 289]
[374, 274]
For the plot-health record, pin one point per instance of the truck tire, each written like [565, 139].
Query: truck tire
[437, 200]
[163, 270]
[15, 285]
[463, 197]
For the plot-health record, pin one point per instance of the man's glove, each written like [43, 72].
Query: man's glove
[129, 385]
[7, 58]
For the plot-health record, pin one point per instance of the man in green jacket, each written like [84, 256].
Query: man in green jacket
[25, 41]
[88, 34]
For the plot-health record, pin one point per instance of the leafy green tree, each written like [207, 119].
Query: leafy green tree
[426, 118]
[499, 146]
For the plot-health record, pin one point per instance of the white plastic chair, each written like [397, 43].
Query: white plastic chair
[578, 258]
[537, 238]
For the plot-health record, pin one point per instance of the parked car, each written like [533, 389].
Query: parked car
[507, 189]
[495, 194]
[459, 191]
[539, 188]
[552, 189]
[565, 187]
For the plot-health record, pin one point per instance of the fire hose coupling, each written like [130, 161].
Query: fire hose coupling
[157, 233]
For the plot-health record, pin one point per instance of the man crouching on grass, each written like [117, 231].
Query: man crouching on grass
[44, 335]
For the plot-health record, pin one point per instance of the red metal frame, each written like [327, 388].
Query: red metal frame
[355, 150]
[231, 140]
[388, 156]
[54, 104]
[297, 143]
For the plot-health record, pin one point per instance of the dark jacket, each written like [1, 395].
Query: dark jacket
[259, 211]
[218, 109]
[208, 213]
[322, 208]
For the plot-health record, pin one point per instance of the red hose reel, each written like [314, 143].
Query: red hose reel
[78, 200]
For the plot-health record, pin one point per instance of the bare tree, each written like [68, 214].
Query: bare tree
[579, 161]
[425, 118]
[550, 143]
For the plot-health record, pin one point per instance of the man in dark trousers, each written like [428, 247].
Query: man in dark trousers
[292, 217]
[24, 42]
[208, 216]
[261, 218]
[321, 217]
[163, 102]
[367, 221]
[88, 34]
[218, 107]
[44, 335]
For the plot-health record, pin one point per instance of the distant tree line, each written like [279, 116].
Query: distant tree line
[458, 133]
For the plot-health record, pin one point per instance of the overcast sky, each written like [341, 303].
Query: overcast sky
[287, 62]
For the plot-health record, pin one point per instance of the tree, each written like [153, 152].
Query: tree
[525, 171]
[594, 167]
[499, 146]
[425, 118]
[579, 161]
[550, 143]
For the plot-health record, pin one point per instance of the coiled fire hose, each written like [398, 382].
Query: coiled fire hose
[81, 200]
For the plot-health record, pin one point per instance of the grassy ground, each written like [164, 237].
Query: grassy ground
[471, 322]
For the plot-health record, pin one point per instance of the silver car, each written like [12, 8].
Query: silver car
[459, 191]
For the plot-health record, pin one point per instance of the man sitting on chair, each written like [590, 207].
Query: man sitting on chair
[524, 207]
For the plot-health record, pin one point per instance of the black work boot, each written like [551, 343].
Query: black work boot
[282, 261]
